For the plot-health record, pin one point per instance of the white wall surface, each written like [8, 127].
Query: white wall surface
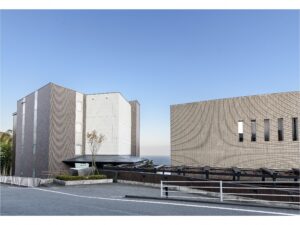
[124, 127]
[78, 124]
[110, 115]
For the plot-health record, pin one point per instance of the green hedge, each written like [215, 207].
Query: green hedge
[70, 178]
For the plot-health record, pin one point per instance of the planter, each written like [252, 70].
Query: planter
[81, 182]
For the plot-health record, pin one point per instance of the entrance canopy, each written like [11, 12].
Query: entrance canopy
[105, 159]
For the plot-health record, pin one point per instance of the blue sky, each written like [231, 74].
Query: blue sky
[158, 57]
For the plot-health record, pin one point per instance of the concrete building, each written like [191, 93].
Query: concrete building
[51, 124]
[247, 132]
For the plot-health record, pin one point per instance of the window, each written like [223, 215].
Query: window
[241, 131]
[267, 129]
[253, 130]
[295, 128]
[280, 129]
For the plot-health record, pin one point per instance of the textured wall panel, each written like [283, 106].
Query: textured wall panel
[18, 140]
[206, 133]
[23, 157]
[15, 118]
[18, 155]
[135, 128]
[62, 127]
[27, 158]
[43, 131]
[27, 162]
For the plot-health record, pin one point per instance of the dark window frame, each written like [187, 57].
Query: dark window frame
[253, 130]
[241, 135]
[280, 129]
[295, 134]
[267, 129]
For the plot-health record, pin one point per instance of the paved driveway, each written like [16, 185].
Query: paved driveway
[108, 199]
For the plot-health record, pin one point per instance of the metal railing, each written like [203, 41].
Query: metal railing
[286, 192]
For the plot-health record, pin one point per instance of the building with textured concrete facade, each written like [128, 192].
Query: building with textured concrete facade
[247, 132]
[135, 132]
[51, 124]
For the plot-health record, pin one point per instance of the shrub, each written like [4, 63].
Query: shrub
[71, 178]
[5, 158]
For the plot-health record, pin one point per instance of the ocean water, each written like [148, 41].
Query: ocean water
[158, 160]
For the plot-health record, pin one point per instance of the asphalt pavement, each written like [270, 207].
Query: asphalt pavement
[108, 200]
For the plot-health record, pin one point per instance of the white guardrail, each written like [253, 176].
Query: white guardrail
[20, 181]
[242, 191]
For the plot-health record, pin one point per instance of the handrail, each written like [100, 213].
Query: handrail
[231, 190]
[235, 182]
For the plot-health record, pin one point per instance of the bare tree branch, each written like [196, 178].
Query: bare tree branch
[95, 142]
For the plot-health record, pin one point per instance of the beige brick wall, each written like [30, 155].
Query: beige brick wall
[206, 133]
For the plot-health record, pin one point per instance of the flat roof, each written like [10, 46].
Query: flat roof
[122, 159]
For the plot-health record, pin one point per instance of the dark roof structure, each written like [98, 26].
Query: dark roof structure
[105, 159]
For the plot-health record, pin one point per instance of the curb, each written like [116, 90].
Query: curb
[82, 182]
[211, 202]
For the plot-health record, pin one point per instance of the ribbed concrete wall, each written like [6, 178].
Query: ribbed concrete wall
[43, 131]
[135, 128]
[15, 118]
[62, 127]
[18, 155]
[27, 157]
[27, 162]
[23, 158]
[206, 133]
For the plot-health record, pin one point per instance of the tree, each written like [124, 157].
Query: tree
[5, 152]
[95, 142]
[6, 137]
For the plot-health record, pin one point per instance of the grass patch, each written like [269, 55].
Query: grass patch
[91, 177]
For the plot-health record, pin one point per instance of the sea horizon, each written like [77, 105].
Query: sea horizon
[159, 159]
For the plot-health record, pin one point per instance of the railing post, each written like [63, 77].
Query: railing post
[166, 193]
[161, 189]
[221, 191]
